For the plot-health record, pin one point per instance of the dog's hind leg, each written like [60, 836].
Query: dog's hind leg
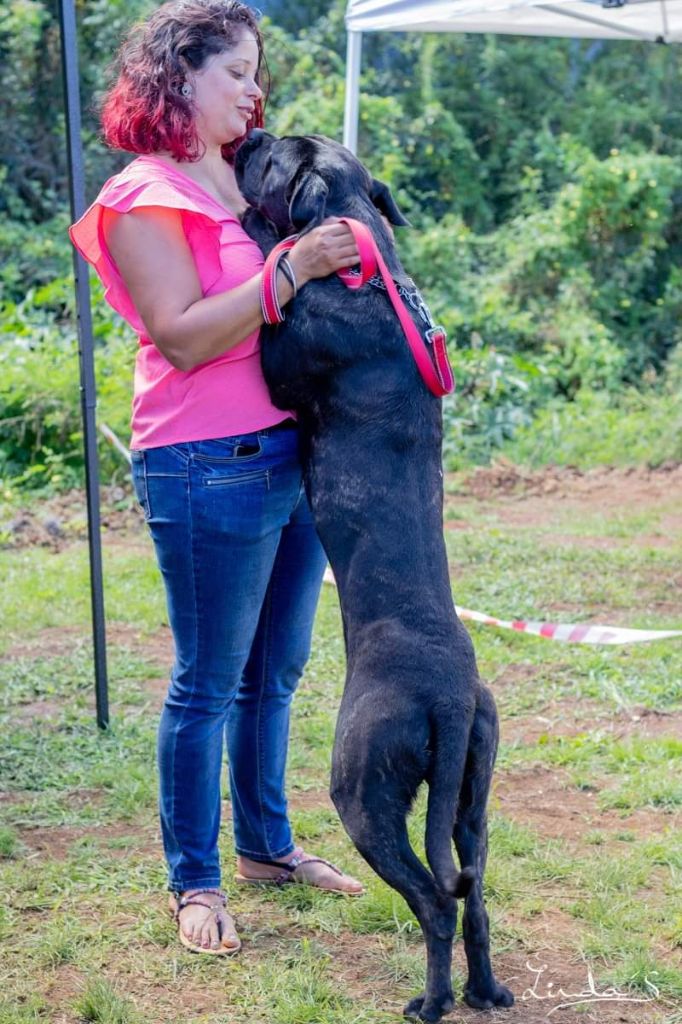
[482, 991]
[382, 840]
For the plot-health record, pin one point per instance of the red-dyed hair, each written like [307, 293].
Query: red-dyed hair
[145, 111]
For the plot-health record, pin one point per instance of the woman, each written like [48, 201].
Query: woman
[215, 464]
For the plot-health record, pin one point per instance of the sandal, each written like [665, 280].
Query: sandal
[287, 875]
[178, 903]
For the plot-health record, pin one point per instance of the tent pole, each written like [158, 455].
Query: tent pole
[67, 24]
[352, 104]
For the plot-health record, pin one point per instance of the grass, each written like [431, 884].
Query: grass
[599, 428]
[83, 922]
[102, 1004]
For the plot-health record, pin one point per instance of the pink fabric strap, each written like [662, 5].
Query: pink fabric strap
[437, 375]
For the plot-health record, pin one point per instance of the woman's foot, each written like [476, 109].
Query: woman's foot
[298, 866]
[203, 921]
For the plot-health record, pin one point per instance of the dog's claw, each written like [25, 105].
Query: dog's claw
[500, 996]
[430, 1014]
[411, 1011]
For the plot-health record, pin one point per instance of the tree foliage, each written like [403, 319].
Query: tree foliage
[543, 178]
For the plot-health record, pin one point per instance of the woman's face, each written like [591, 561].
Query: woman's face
[225, 92]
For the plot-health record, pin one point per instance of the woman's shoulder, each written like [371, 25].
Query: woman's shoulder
[150, 181]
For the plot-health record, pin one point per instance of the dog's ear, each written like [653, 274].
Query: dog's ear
[309, 201]
[380, 195]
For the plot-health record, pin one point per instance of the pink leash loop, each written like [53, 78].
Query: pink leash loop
[272, 311]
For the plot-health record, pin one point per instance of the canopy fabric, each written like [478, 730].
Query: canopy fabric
[651, 20]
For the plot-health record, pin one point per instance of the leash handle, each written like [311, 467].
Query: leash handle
[438, 378]
[269, 301]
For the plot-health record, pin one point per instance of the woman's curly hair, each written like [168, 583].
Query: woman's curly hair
[145, 111]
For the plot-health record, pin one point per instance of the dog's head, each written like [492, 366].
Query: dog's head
[298, 180]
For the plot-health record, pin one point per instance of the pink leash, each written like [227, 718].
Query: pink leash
[437, 374]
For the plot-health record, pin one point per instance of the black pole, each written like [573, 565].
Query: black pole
[72, 112]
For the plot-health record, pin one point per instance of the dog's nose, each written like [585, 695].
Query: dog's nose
[255, 137]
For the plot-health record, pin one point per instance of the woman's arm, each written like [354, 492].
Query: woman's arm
[151, 252]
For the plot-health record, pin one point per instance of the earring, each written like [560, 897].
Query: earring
[186, 90]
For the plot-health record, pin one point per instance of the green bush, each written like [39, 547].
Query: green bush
[40, 416]
[638, 426]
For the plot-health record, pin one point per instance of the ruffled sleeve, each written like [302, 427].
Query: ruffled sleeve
[139, 186]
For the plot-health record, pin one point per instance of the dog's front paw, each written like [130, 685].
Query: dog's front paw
[431, 1010]
[498, 995]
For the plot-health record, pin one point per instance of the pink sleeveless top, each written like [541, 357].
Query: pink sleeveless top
[224, 396]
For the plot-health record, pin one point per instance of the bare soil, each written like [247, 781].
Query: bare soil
[607, 485]
[62, 519]
[556, 495]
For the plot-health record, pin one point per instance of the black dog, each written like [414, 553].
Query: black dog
[413, 708]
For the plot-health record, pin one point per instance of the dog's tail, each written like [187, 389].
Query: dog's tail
[450, 744]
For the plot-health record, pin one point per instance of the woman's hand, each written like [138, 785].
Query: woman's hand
[323, 251]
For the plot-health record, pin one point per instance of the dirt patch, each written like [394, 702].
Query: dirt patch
[525, 498]
[647, 722]
[545, 801]
[156, 690]
[558, 718]
[515, 673]
[58, 521]
[57, 641]
[46, 710]
[310, 800]
[571, 718]
[59, 842]
[505, 477]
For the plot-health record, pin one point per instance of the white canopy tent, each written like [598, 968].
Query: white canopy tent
[656, 21]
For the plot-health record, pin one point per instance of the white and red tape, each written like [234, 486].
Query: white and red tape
[569, 631]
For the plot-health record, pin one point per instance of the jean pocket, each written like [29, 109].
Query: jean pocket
[139, 474]
[245, 448]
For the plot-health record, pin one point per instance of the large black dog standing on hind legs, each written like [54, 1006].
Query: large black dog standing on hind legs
[413, 708]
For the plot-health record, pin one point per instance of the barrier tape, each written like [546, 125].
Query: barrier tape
[570, 632]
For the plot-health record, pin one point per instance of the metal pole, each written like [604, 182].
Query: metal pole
[352, 102]
[72, 112]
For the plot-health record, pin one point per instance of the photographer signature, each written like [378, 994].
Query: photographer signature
[589, 994]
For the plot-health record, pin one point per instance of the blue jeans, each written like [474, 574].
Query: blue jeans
[242, 567]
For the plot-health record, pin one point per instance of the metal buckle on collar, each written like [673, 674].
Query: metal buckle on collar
[416, 300]
[435, 334]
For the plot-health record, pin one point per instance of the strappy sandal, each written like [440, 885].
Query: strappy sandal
[178, 903]
[287, 875]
